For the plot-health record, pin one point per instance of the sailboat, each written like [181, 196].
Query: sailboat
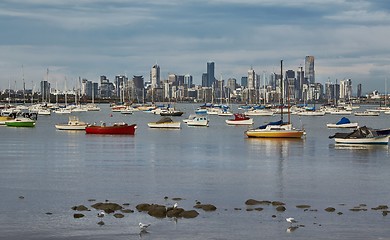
[277, 129]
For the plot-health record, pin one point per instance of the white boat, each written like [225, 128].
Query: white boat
[164, 122]
[259, 112]
[340, 112]
[63, 111]
[311, 113]
[191, 117]
[343, 123]
[73, 124]
[224, 112]
[128, 110]
[362, 135]
[201, 121]
[240, 119]
[367, 113]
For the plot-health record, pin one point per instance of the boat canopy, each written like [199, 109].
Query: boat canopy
[165, 120]
[280, 122]
[343, 120]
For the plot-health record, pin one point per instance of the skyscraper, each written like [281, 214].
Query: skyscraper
[251, 78]
[309, 69]
[210, 74]
[155, 76]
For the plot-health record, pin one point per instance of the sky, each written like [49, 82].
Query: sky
[90, 38]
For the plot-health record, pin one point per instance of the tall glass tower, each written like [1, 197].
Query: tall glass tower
[309, 69]
[155, 76]
[210, 74]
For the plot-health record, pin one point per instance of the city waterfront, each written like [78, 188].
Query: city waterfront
[45, 172]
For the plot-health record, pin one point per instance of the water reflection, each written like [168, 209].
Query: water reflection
[359, 147]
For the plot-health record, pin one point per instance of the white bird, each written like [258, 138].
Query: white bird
[291, 220]
[175, 205]
[143, 226]
[101, 214]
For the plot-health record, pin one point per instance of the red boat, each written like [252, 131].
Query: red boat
[116, 128]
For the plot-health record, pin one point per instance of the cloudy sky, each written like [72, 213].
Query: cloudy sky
[89, 38]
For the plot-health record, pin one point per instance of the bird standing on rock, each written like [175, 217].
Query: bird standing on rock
[101, 214]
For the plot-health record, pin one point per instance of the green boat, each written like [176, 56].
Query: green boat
[20, 122]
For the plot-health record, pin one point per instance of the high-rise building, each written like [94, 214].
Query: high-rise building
[210, 74]
[155, 76]
[45, 91]
[251, 78]
[188, 80]
[309, 69]
[359, 90]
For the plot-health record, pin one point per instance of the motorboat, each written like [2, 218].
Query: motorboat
[240, 119]
[201, 121]
[164, 122]
[171, 112]
[73, 124]
[361, 135]
[277, 129]
[367, 113]
[115, 129]
[343, 123]
[259, 112]
[20, 121]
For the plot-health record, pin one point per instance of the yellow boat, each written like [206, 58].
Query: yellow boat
[4, 118]
[275, 130]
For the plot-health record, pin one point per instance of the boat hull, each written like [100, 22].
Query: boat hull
[347, 125]
[239, 122]
[384, 140]
[122, 129]
[274, 134]
[20, 122]
[164, 125]
[68, 127]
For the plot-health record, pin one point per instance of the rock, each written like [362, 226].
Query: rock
[357, 209]
[92, 200]
[273, 216]
[80, 208]
[101, 223]
[256, 202]
[78, 215]
[237, 209]
[380, 207]
[127, 211]
[339, 213]
[49, 213]
[280, 208]
[126, 204]
[21, 197]
[177, 199]
[277, 203]
[143, 207]
[330, 209]
[249, 209]
[174, 212]
[206, 207]
[158, 211]
[166, 198]
[118, 215]
[189, 214]
[259, 209]
[107, 207]
[384, 213]
[303, 206]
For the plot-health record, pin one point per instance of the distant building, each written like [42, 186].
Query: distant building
[188, 80]
[106, 87]
[155, 76]
[210, 74]
[251, 79]
[359, 90]
[244, 81]
[309, 69]
[45, 91]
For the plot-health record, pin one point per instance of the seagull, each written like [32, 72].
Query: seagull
[143, 227]
[175, 205]
[101, 213]
[291, 220]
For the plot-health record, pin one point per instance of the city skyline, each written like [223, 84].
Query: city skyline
[88, 39]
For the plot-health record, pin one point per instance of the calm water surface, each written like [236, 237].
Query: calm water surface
[55, 170]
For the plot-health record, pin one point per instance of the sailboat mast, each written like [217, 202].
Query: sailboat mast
[281, 90]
